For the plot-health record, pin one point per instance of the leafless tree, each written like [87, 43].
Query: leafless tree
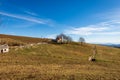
[81, 40]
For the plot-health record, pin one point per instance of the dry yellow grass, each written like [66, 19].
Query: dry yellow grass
[60, 62]
[23, 39]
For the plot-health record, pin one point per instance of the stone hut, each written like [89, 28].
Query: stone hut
[4, 48]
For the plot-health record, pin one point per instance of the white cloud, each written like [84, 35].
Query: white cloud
[108, 28]
[31, 13]
[109, 33]
[112, 14]
[31, 19]
[84, 30]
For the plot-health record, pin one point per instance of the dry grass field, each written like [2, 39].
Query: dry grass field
[11, 39]
[60, 62]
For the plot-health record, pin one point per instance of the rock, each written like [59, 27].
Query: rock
[91, 59]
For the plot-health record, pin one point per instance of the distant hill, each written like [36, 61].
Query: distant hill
[21, 39]
[111, 45]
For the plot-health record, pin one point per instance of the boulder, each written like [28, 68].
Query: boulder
[91, 58]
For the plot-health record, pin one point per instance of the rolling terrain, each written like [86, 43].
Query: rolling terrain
[60, 62]
[11, 39]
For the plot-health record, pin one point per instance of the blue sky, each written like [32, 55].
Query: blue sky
[98, 21]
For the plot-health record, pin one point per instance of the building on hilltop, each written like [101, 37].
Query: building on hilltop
[62, 38]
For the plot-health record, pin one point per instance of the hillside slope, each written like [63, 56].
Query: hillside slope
[60, 62]
[24, 39]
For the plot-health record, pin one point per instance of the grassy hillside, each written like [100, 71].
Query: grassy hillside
[11, 42]
[22, 39]
[60, 62]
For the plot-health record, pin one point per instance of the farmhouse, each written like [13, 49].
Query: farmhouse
[61, 39]
[4, 48]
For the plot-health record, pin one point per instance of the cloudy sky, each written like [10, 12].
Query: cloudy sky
[98, 21]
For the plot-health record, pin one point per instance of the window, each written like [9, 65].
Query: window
[5, 50]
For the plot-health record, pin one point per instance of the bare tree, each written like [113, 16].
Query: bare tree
[69, 39]
[81, 40]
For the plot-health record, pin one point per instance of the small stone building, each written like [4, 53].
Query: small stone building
[61, 39]
[4, 48]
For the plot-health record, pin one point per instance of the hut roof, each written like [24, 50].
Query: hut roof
[4, 46]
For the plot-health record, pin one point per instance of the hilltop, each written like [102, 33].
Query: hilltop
[18, 40]
[60, 62]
